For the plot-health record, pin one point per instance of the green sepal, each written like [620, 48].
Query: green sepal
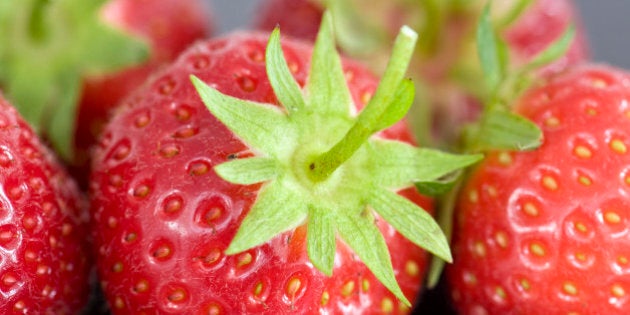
[277, 209]
[327, 90]
[255, 123]
[552, 52]
[517, 9]
[49, 47]
[411, 221]
[249, 171]
[286, 88]
[438, 187]
[321, 239]
[398, 164]
[504, 130]
[489, 50]
[365, 239]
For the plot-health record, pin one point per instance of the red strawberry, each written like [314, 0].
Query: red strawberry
[233, 212]
[168, 25]
[65, 64]
[298, 18]
[43, 263]
[546, 231]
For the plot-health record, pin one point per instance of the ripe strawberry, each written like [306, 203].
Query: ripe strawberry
[242, 210]
[43, 263]
[546, 231]
[65, 64]
[169, 26]
[298, 18]
[445, 62]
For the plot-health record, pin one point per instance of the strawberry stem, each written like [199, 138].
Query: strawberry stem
[371, 117]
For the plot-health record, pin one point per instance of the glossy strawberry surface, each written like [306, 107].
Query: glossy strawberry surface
[44, 261]
[163, 217]
[546, 231]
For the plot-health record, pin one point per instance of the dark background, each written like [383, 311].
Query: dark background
[607, 23]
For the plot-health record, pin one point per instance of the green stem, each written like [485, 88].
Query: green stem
[324, 165]
[37, 27]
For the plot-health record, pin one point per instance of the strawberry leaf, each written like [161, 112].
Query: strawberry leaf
[552, 52]
[365, 239]
[287, 90]
[321, 239]
[489, 51]
[503, 130]
[255, 123]
[327, 89]
[438, 187]
[400, 164]
[248, 171]
[277, 209]
[412, 222]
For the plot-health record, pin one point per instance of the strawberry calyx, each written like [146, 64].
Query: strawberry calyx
[322, 166]
[48, 46]
[498, 128]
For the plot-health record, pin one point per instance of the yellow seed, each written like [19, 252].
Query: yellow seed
[501, 239]
[530, 209]
[473, 196]
[293, 286]
[525, 285]
[584, 180]
[470, 278]
[618, 146]
[599, 83]
[500, 293]
[411, 268]
[549, 182]
[505, 158]
[365, 285]
[479, 248]
[347, 289]
[582, 152]
[244, 260]
[580, 256]
[552, 121]
[492, 191]
[580, 227]
[537, 249]
[387, 305]
[569, 288]
[622, 260]
[612, 217]
[617, 290]
[325, 298]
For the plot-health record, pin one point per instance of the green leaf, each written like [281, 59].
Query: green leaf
[516, 10]
[438, 187]
[365, 239]
[554, 51]
[256, 124]
[398, 164]
[326, 85]
[411, 221]
[284, 85]
[503, 130]
[489, 51]
[321, 239]
[277, 209]
[248, 171]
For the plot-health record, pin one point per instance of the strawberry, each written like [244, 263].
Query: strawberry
[257, 188]
[298, 18]
[169, 26]
[44, 266]
[65, 64]
[545, 231]
[445, 62]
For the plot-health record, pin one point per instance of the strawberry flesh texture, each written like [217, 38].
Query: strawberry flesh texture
[44, 265]
[169, 26]
[163, 217]
[548, 229]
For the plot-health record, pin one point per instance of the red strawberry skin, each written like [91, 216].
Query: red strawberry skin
[546, 231]
[168, 26]
[44, 264]
[162, 217]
